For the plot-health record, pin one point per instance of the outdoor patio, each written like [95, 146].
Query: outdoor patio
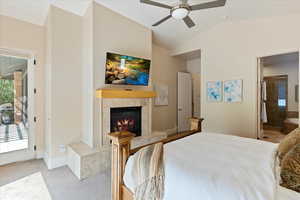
[13, 137]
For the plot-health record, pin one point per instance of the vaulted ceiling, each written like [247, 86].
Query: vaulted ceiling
[169, 33]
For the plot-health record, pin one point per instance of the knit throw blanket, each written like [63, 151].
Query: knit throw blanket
[148, 173]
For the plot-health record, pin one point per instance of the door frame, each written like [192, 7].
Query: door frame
[258, 84]
[29, 153]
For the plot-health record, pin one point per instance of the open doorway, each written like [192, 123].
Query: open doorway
[279, 85]
[13, 104]
[189, 90]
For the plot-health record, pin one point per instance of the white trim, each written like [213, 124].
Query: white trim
[258, 99]
[55, 162]
[18, 53]
[39, 154]
[31, 102]
[279, 52]
[46, 159]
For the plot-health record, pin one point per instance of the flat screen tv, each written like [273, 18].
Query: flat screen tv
[126, 70]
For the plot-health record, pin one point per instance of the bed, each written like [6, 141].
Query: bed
[207, 166]
[286, 194]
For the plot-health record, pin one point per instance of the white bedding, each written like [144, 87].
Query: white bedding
[212, 166]
[286, 194]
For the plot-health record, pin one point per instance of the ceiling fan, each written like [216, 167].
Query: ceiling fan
[182, 10]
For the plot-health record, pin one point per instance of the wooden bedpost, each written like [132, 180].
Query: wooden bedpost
[120, 153]
[196, 124]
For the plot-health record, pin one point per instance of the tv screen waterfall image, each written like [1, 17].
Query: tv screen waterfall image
[126, 70]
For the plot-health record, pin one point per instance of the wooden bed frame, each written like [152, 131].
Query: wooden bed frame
[121, 151]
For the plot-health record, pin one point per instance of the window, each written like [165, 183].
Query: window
[281, 94]
[282, 102]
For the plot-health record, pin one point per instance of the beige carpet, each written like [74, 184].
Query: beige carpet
[60, 182]
[31, 187]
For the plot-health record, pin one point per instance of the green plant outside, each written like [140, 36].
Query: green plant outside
[6, 91]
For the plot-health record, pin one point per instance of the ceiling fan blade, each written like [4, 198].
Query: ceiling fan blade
[189, 22]
[162, 20]
[153, 3]
[184, 1]
[212, 4]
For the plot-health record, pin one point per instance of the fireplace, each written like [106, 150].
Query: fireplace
[126, 119]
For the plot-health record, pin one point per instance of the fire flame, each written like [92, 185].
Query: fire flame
[125, 124]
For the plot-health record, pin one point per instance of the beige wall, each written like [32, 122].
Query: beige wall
[193, 65]
[118, 34]
[292, 70]
[71, 55]
[19, 35]
[65, 63]
[230, 51]
[164, 71]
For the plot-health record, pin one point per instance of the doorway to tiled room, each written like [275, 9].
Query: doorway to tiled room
[279, 102]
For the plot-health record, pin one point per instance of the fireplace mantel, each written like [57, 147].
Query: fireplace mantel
[117, 93]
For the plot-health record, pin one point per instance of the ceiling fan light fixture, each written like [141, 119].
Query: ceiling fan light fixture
[180, 13]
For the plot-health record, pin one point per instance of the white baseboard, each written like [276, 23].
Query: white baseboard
[55, 162]
[47, 159]
[51, 162]
[59, 161]
[39, 155]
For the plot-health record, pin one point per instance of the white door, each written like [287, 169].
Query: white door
[184, 95]
[17, 119]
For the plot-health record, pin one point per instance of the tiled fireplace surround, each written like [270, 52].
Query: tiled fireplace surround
[84, 161]
[107, 103]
